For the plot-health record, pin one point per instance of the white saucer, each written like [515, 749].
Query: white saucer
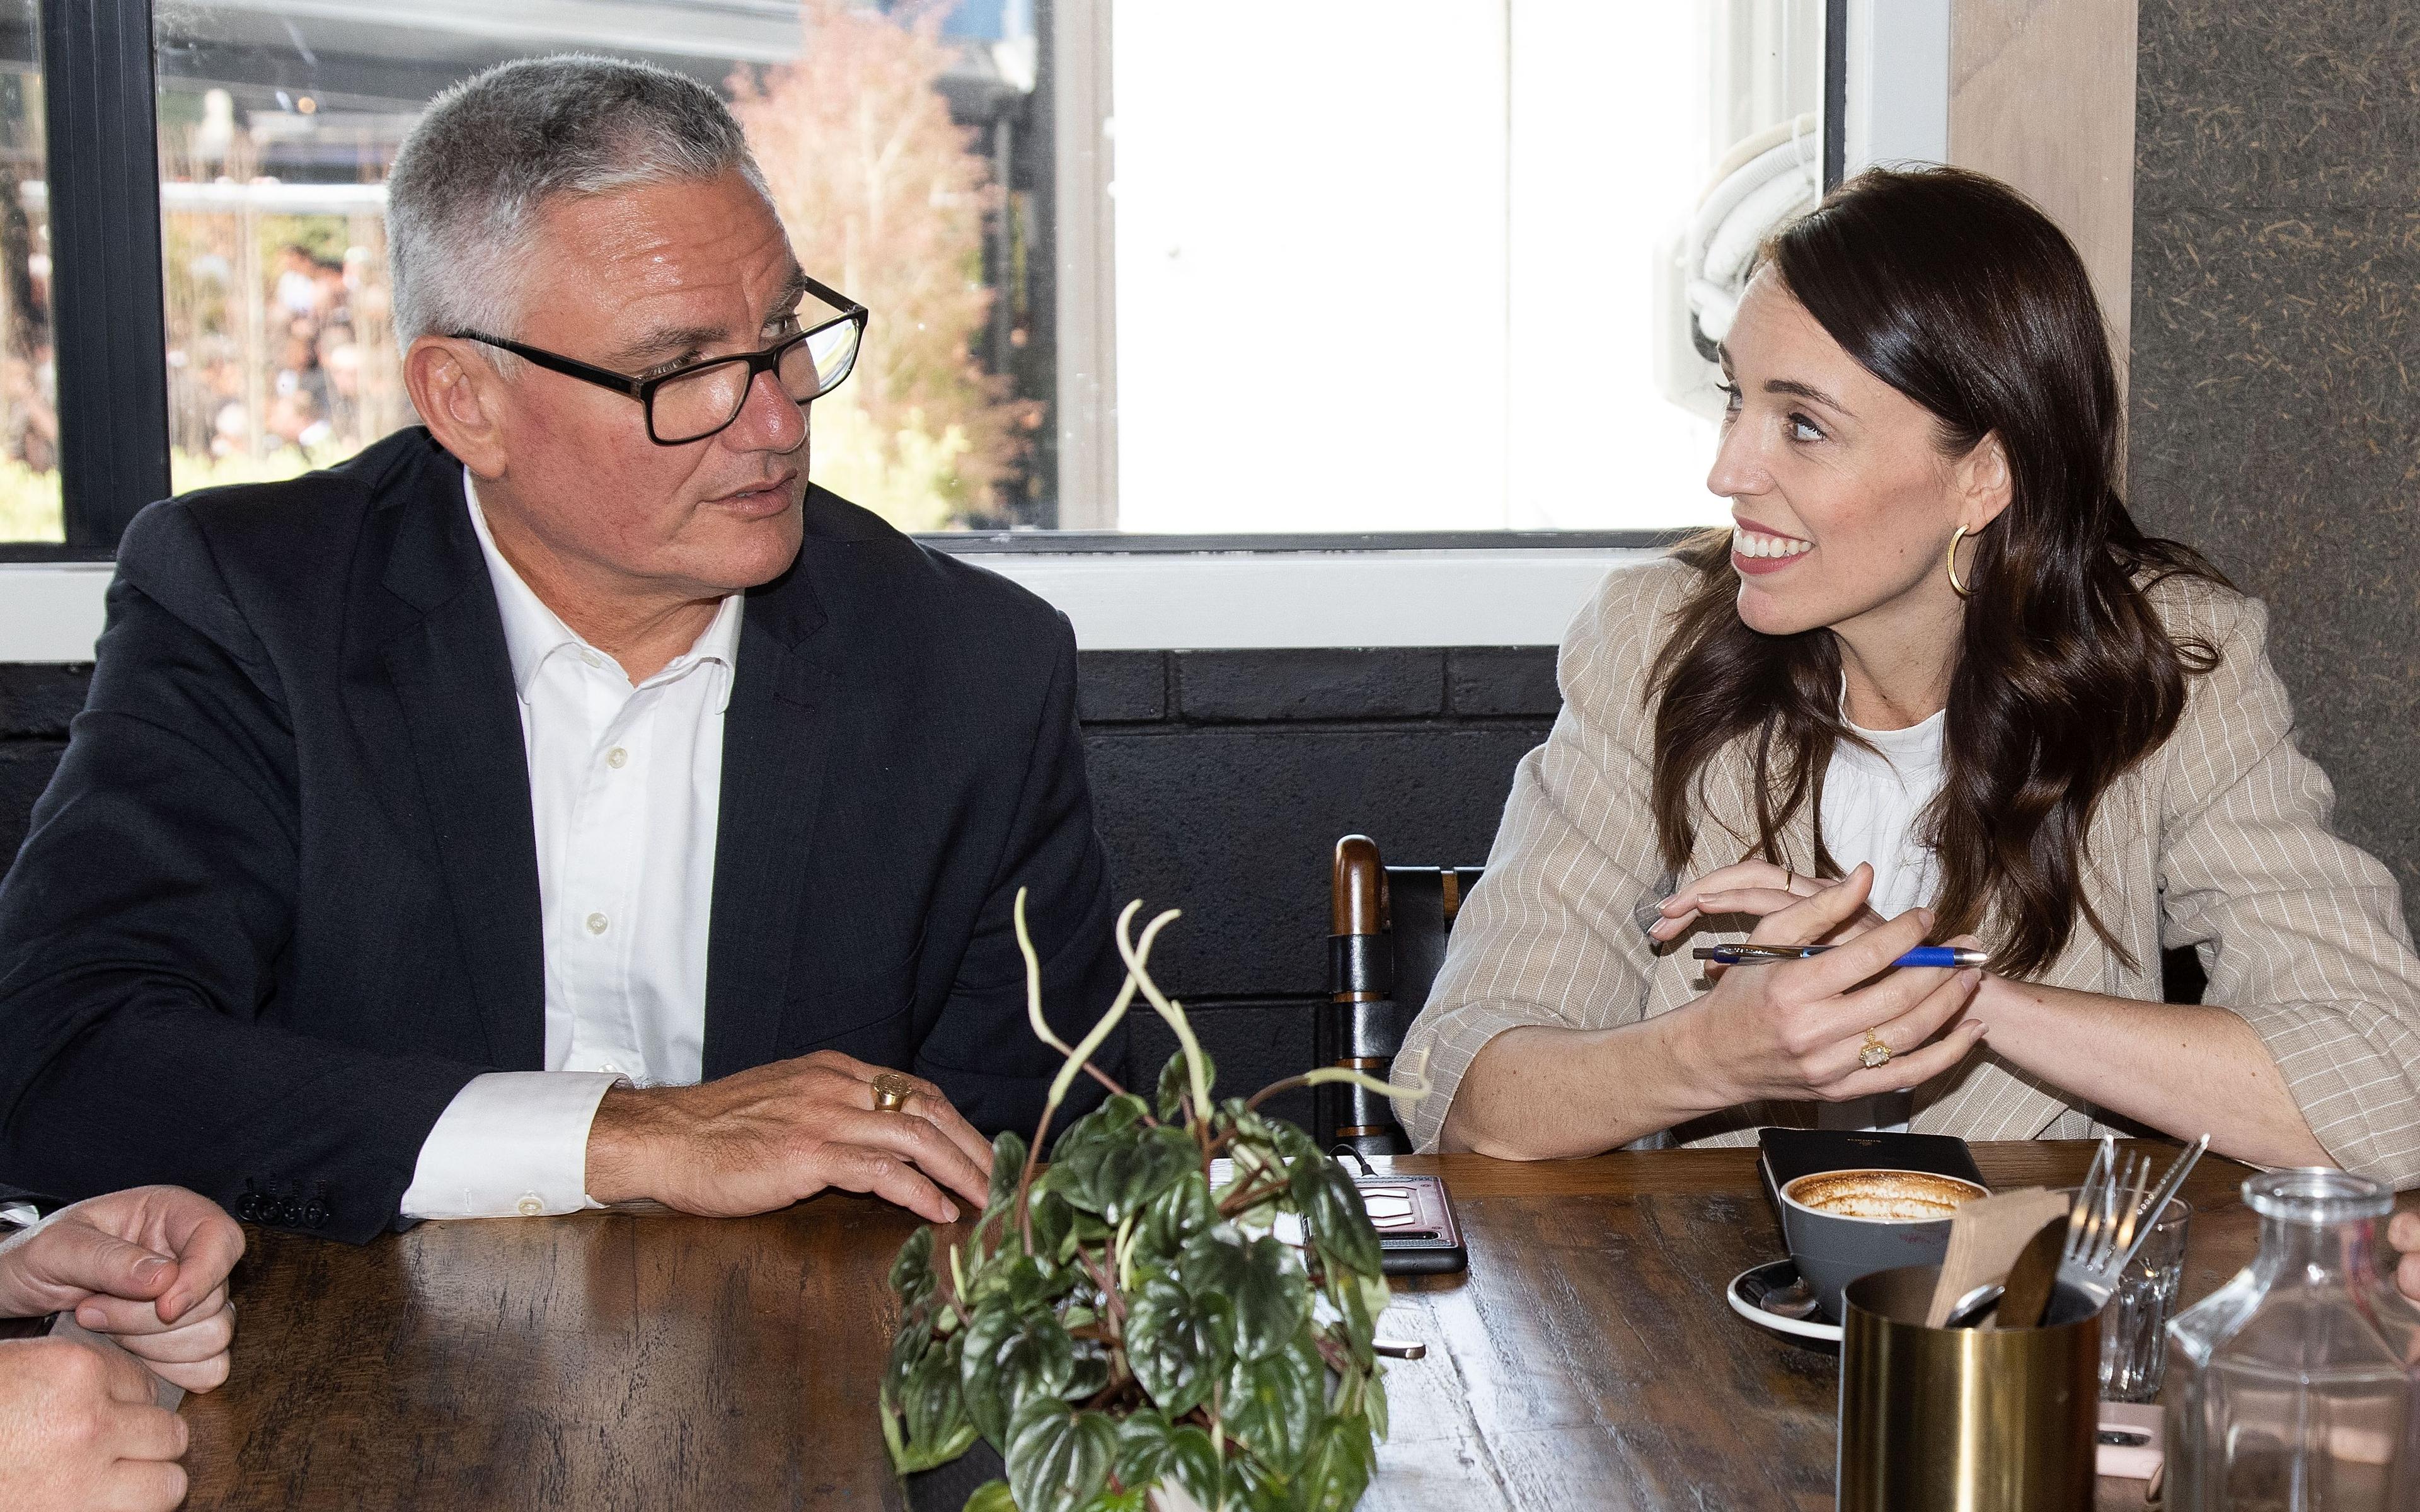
[1749, 1288]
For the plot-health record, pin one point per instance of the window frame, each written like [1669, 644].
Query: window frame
[100, 104]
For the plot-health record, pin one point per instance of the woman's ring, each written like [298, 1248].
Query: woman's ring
[1874, 1055]
[892, 1091]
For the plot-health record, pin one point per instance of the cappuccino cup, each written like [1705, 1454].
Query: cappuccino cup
[1844, 1225]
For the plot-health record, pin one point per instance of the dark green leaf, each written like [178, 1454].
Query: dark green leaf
[1193, 1464]
[1292, 1144]
[1333, 1219]
[1059, 1460]
[1268, 1291]
[991, 1496]
[1272, 1404]
[1114, 1115]
[1051, 1218]
[1335, 1468]
[1250, 1127]
[1177, 1343]
[1007, 1164]
[1129, 1175]
[1076, 1165]
[932, 1412]
[1144, 1447]
[1091, 1371]
[1024, 1281]
[1175, 1217]
[908, 1347]
[1011, 1357]
[1176, 1083]
[911, 1270]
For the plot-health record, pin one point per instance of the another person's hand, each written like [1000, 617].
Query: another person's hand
[78, 1432]
[147, 1266]
[1755, 889]
[1795, 1030]
[2403, 1232]
[772, 1135]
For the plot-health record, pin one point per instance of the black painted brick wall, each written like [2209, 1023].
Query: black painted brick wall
[1222, 779]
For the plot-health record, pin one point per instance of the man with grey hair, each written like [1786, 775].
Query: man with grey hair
[563, 803]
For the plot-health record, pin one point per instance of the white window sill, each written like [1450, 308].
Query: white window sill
[1193, 601]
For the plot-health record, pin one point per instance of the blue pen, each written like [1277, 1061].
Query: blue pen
[1923, 955]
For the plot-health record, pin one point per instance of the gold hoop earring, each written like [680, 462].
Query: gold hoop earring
[1956, 536]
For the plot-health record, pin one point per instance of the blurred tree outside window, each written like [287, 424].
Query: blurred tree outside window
[29, 421]
[896, 141]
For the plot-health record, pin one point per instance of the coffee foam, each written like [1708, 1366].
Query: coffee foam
[1882, 1197]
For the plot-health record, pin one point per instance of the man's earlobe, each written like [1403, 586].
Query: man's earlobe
[457, 396]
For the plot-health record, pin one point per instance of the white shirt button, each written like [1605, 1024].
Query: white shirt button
[530, 1206]
[597, 923]
[592, 658]
[617, 758]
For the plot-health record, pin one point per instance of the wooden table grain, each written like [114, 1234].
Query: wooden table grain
[1587, 1359]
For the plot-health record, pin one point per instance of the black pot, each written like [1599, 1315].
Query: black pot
[946, 1488]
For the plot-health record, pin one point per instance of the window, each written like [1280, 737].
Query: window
[1366, 267]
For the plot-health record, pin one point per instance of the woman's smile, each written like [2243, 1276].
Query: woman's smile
[1757, 549]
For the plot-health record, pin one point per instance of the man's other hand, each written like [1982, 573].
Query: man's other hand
[2403, 1232]
[767, 1137]
[78, 1432]
[147, 1266]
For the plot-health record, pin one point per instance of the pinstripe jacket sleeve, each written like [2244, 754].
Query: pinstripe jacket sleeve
[1547, 937]
[2299, 933]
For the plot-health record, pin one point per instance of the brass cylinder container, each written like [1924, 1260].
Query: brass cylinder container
[1962, 1419]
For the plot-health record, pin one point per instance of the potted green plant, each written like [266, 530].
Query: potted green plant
[1123, 1330]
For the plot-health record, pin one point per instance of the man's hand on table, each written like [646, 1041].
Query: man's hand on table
[147, 1266]
[770, 1136]
[2403, 1232]
[78, 1432]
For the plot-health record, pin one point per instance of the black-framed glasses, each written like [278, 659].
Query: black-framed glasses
[691, 403]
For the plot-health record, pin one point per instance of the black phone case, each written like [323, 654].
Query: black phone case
[1416, 1232]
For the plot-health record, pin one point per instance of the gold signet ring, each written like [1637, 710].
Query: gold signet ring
[892, 1091]
[1873, 1054]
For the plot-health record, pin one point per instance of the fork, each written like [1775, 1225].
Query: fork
[2115, 1212]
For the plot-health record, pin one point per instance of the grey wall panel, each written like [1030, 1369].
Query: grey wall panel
[2275, 401]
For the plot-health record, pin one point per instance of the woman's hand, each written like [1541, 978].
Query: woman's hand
[1795, 1030]
[1758, 890]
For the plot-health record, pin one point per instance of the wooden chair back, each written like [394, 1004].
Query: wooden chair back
[1387, 929]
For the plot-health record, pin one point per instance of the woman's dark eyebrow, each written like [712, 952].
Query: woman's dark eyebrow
[1806, 391]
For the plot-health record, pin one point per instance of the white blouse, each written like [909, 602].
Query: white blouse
[1871, 801]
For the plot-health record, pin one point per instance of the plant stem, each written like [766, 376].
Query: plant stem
[1253, 1104]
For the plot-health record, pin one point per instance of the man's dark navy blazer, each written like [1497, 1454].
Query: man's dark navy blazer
[280, 900]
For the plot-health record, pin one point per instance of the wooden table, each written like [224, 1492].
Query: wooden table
[1587, 1359]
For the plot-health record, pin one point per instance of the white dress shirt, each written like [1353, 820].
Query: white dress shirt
[624, 789]
[1871, 802]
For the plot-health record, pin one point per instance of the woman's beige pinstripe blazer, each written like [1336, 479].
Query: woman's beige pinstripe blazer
[2218, 840]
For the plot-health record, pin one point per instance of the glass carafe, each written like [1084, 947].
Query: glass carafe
[2292, 1386]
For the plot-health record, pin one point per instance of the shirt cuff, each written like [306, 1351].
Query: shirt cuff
[511, 1144]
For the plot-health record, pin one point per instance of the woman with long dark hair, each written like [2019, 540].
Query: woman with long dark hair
[1934, 686]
